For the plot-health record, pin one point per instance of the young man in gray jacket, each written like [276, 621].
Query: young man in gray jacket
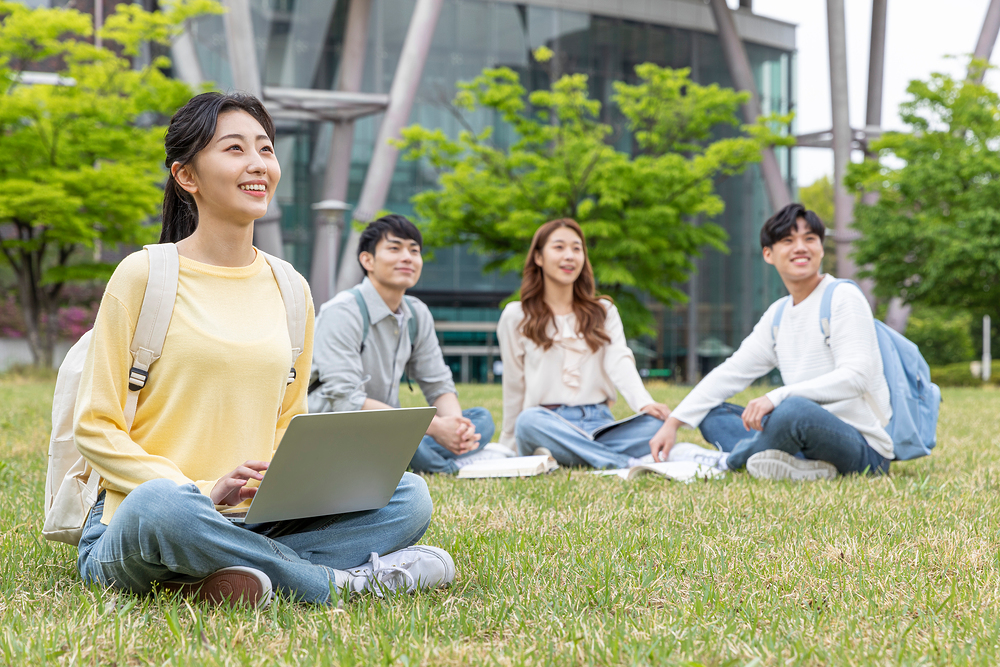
[358, 365]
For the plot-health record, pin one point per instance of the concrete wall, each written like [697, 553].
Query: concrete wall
[15, 351]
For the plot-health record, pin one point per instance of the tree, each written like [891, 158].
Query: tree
[638, 210]
[83, 157]
[933, 237]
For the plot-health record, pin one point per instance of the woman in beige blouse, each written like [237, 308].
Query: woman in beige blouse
[564, 356]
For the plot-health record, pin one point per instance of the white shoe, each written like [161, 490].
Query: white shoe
[642, 460]
[479, 456]
[776, 464]
[403, 571]
[688, 451]
[230, 585]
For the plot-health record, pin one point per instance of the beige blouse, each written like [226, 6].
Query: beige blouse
[568, 373]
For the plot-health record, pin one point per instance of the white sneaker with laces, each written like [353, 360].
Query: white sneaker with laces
[403, 571]
[776, 464]
[688, 451]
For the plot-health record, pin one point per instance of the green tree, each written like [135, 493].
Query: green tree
[933, 237]
[82, 158]
[637, 210]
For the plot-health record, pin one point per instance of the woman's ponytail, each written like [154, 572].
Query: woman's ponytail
[191, 130]
[180, 215]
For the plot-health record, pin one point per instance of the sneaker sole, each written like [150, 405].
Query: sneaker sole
[232, 586]
[774, 464]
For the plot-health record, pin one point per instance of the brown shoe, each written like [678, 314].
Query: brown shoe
[230, 585]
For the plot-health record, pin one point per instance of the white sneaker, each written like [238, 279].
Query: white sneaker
[403, 571]
[776, 464]
[230, 585]
[688, 451]
[479, 456]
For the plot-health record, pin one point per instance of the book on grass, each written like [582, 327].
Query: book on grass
[514, 466]
[592, 435]
[681, 471]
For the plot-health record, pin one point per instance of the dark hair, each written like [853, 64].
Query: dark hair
[785, 221]
[590, 314]
[397, 225]
[191, 129]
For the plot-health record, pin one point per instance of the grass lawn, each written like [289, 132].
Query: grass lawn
[574, 569]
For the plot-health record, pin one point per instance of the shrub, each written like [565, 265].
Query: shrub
[942, 334]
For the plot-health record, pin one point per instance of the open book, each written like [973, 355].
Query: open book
[514, 466]
[681, 471]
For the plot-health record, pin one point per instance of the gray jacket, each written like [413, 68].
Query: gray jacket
[348, 375]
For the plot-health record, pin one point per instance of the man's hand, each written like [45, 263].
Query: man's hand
[658, 410]
[755, 411]
[455, 433]
[661, 443]
[232, 489]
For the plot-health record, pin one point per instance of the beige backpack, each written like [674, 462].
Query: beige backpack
[71, 485]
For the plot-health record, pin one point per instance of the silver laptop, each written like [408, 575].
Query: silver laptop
[336, 462]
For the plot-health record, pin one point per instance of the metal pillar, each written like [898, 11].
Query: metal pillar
[246, 77]
[738, 64]
[987, 37]
[329, 223]
[404, 89]
[692, 369]
[843, 204]
[184, 59]
[326, 245]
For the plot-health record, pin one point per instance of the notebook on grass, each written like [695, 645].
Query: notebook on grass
[514, 466]
[681, 471]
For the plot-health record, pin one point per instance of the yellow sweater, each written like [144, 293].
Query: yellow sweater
[216, 397]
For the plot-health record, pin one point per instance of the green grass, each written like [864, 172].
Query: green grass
[574, 569]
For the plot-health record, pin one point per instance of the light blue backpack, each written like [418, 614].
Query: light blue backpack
[914, 398]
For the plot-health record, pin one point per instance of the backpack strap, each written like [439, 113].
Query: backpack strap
[826, 308]
[776, 322]
[365, 317]
[154, 319]
[411, 324]
[294, 298]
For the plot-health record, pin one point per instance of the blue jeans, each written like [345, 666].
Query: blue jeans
[557, 431]
[434, 457]
[797, 426]
[168, 532]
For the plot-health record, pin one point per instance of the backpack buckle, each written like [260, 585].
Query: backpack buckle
[137, 378]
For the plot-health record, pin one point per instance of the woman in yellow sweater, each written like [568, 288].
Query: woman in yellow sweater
[217, 402]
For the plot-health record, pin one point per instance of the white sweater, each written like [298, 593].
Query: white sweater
[568, 373]
[842, 376]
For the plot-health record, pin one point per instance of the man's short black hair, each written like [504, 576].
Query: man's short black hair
[785, 221]
[397, 225]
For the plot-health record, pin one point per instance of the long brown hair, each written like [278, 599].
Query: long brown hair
[590, 314]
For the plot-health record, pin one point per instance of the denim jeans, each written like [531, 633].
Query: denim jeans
[168, 532]
[797, 426]
[434, 457]
[557, 431]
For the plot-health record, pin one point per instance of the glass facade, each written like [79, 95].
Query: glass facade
[299, 43]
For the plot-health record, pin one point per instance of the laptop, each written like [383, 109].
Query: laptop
[336, 462]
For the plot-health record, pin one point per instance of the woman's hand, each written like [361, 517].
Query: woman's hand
[659, 410]
[232, 489]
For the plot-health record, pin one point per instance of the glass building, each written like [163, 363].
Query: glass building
[299, 44]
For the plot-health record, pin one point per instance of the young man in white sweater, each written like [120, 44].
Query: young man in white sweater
[820, 423]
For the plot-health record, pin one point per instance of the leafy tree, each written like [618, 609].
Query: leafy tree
[637, 210]
[933, 237]
[82, 159]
